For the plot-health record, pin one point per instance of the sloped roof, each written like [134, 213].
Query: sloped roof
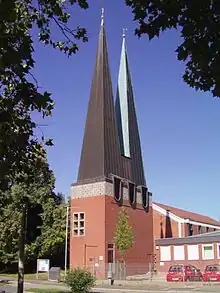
[202, 238]
[189, 215]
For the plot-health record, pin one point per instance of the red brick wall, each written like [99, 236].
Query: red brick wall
[142, 224]
[101, 214]
[164, 227]
[93, 243]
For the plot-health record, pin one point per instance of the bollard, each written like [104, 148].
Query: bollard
[110, 278]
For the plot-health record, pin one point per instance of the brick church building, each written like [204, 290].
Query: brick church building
[111, 174]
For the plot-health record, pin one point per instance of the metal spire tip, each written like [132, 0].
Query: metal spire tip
[102, 16]
[124, 32]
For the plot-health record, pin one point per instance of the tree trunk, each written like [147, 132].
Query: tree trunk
[21, 251]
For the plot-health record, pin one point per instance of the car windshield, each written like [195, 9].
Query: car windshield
[213, 268]
[176, 269]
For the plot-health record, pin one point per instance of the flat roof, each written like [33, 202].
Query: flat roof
[201, 238]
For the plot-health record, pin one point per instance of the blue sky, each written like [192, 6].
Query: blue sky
[179, 127]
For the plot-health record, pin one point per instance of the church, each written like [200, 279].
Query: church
[111, 177]
[111, 174]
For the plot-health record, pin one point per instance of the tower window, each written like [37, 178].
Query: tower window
[117, 187]
[145, 198]
[78, 224]
[132, 193]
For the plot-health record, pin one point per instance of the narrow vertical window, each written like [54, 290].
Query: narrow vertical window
[111, 252]
[190, 229]
[132, 193]
[117, 187]
[145, 198]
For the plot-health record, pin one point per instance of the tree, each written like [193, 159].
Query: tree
[198, 23]
[32, 221]
[124, 238]
[20, 94]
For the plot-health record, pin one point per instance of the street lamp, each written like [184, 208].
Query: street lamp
[66, 240]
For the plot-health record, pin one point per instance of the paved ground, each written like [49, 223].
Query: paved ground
[125, 287]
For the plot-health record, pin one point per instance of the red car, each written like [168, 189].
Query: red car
[211, 273]
[181, 273]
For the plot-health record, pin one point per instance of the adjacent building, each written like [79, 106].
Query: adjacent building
[183, 237]
[199, 251]
[170, 222]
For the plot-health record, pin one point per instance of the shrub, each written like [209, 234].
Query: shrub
[80, 280]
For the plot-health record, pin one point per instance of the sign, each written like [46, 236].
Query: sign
[43, 265]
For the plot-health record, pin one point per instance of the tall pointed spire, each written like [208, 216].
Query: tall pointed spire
[127, 122]
[100, 154]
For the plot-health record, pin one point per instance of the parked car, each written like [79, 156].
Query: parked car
[211, 273]
[181, 273]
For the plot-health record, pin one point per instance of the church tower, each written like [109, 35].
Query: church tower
[110, 176]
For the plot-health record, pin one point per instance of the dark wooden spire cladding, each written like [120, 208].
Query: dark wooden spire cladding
[137, 166]
[100, 154]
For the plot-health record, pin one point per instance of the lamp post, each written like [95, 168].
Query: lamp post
[66, 240]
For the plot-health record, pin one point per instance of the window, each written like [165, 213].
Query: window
[145, 198]
[179, 253]
[111, 253]
[132, 193]
[78, 224]
[218, 250]
[207, 229]
[190, 229]
[214, 268]
[199, 229]
[178, 268]
[117, 187]
[193, 252]
[207, 251]
[165, 253]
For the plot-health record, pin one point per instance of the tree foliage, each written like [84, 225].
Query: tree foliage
[124, 237]
[198, 23]
[80, 281]
[20, 94]
[44, 241]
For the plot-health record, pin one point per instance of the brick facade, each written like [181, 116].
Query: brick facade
[101, 212]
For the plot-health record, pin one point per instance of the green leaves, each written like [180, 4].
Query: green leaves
[124, 238]
[45, 223]
[80, 280]
[198, 23]
[20, 148]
